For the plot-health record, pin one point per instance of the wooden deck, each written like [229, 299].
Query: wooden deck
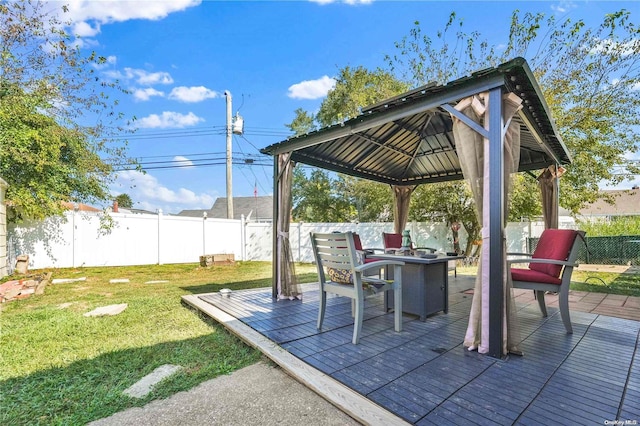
[424, 376]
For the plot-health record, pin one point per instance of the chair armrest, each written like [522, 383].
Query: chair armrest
[520, 254]
[538, 260]
[377, 264]
[373, 250]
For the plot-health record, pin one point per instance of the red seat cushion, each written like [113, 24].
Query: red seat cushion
[554, 244]
[519, 274]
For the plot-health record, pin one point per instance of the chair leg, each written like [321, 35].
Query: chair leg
[543, 306]
[397, 308]
[357, 321]
[323, 305]
[563, 302]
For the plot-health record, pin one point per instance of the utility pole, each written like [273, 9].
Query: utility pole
[227, 94]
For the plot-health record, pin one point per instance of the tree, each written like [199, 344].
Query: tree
[355, 89]
[589, 77]
[448, 202]
[315, 199]
[354, 199]
[124, 201]
[56, 117]
[303, 122]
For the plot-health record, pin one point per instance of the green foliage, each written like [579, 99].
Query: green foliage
[357, 88]
[124, 200]
[448, 202]
[616, 226]
[373, 201]
[316, 198]
[302, 123]
[525, 198]
[589, 77]
[49, 92]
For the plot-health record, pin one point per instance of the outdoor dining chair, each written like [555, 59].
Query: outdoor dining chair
[550, 268]
[342, 272]
[394, 241]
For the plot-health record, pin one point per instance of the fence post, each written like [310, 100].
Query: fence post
[159, 235]
[73, 235]
[299, 241]
[243, 238]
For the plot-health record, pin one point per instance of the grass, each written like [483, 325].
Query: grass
[59, 367]
[627, 284]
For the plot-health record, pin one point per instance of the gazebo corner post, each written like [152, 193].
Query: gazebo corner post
[495, 205]
[274, 249]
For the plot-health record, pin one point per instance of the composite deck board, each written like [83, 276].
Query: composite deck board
[425, 376]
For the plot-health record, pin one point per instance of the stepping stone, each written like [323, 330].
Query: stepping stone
[119, 280]
[156, 282]
[142, 387]
[67, 280]
[107, 310]
[65, 305]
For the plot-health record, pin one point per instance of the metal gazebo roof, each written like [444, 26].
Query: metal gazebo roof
[408, 139]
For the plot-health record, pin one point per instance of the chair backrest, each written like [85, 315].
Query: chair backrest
[556, 244]
[390, 240]
[357, 242]
[334, 251]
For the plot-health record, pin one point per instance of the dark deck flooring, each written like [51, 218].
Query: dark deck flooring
[425, 376]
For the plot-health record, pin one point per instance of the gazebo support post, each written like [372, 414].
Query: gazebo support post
[495, 205]
[276, 212]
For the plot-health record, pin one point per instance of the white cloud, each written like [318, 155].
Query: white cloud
[83, 29]
[182, 161]
[146, 94]
[169, 120]
[141, 77]
[192, 94]
[312, 89]
[120, 11]
[563, 6]
[629, 48]
[148, 193]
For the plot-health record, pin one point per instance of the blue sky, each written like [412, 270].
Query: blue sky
[178, 57]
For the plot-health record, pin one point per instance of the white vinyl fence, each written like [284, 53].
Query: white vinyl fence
[144, 239]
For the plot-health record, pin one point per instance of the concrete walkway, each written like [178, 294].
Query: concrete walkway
[260, 394]
[253, 395]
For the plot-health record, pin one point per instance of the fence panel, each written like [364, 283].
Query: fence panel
[138, 239]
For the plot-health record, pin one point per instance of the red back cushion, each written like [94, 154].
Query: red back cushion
[554, 244]
[357, 242]
[392, 240]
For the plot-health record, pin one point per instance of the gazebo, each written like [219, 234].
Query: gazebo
[481, 128]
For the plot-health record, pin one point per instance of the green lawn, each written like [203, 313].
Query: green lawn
[59, 367]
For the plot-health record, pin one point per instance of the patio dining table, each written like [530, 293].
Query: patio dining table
[425, 283]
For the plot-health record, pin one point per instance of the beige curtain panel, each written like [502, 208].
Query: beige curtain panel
[288, 287]
[401, 198]
[472, 151]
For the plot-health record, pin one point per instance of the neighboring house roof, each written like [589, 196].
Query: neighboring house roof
[625, 203]
[80, 207]
[253, 208]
